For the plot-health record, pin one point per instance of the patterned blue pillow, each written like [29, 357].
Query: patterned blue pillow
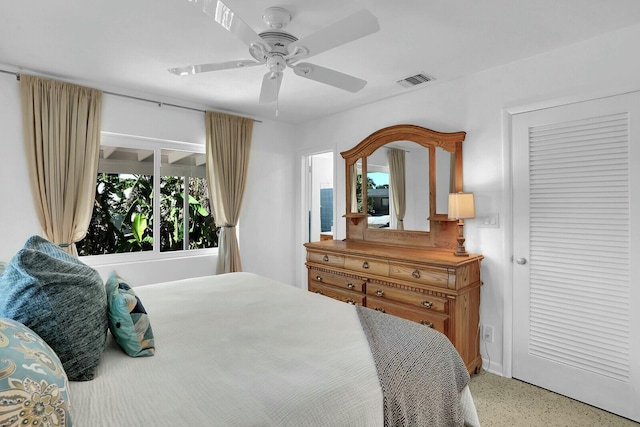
[33, 384]
[128, 320]
[62, 300]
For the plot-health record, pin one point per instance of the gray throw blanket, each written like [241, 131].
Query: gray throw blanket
[420, 371]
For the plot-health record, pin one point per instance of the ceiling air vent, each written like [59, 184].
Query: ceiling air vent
[416, 80]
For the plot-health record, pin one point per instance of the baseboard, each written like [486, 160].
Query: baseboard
[493, 368]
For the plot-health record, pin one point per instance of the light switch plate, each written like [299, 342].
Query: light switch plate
[491, 220]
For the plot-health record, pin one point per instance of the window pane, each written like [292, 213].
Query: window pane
[171, 213]
[185, 224]
[203, 232]
[122, 219]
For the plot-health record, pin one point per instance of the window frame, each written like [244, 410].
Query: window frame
[157, 145]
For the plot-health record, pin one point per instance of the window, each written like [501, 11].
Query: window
[127, 215]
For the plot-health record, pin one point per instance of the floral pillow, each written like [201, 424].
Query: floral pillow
[128, 320]
[33, 383]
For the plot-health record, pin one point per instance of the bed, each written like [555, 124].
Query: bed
[228, 350]
[242, 350]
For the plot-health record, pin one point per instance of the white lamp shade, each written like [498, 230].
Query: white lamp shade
[461, 206]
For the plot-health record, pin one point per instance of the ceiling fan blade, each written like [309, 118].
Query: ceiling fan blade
[270, 87]
[328, 76]
[203, 68]
[351, 28]
[231, 22]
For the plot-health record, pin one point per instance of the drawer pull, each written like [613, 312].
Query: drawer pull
[416, 274]
[350, 301]
[325, 258]
[365, 264]
[350, 285]
[379, 293]
[379, 309]
[426, 323]
[319, 278]
[427, 304]
[319, 292]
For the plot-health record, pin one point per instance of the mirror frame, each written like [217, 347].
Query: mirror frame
[430, 139]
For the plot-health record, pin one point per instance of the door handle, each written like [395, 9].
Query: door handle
[521, 261]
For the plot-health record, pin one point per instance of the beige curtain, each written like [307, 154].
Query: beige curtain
[228, 146]
[61, 125]
[397, 184]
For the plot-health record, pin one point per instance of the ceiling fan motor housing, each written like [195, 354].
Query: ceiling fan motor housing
[276, 18]
[279, 41]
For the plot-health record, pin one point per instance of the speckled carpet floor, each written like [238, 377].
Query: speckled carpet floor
[505, 402]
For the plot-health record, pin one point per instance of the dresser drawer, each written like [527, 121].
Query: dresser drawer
[365, 265]
[432, 276]
[414, 299]
[328, 259]
[435, 320]
[338, 280]
[350, 297]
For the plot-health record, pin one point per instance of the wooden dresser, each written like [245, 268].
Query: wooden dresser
[421, 274]
[434, 288]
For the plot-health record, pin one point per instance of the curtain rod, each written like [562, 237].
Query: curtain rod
[137, 98]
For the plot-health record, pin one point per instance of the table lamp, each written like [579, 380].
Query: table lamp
[461, 207]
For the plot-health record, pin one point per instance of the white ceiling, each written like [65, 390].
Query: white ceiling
[126, 46]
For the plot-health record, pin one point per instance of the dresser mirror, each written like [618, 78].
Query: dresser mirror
[398, 185]
[432, 165]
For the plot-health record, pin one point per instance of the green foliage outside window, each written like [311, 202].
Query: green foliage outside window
[122, 219]
[370, 185]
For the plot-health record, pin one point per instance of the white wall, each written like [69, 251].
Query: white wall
[266, 223]
[478, 105]
[266, 237]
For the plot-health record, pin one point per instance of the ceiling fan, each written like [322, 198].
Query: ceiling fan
[277, 49]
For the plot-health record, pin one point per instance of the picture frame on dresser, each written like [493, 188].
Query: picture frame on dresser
[408, 273]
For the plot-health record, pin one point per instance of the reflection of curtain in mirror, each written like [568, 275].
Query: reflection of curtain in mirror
[397, 183]
[353, 175]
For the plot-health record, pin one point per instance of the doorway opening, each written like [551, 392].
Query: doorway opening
[320, 197]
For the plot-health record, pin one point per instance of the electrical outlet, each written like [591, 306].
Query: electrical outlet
[487, 333]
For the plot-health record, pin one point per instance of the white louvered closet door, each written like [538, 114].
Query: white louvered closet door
[576, 284]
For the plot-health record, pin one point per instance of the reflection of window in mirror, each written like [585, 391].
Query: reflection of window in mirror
[378, 197]
[416, 187]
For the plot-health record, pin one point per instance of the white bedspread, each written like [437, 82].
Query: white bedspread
[237, 350]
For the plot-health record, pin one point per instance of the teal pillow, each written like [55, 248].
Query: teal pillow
[33, 384]
[128, 320]
[62, 300]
